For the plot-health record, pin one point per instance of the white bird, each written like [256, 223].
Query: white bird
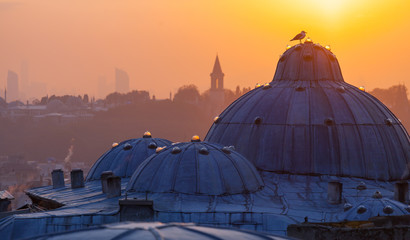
[300, 36]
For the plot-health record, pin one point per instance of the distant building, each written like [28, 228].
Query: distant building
[217, 93]
[122, 81]
[12, 86]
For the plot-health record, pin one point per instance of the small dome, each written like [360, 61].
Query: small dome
[309, 121]
[196, 168]
[308, 62]
[157, 230]
[124, 158]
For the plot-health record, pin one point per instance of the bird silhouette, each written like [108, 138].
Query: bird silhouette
[300, 36]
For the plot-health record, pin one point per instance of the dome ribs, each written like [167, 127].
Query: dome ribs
[332, 158]
[222, 184]
[386, 139]
[176, 170]
[287, 153]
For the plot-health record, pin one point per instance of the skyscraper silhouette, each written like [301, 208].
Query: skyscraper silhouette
[122, 81]
[12, 86]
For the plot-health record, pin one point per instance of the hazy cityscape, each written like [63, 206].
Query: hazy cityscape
[204, 119]
[66, 131]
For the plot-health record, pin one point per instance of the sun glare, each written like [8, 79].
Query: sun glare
[330, 6]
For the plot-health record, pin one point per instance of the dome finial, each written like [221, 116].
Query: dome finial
[308, 40]
[195, 138]
[147, 134]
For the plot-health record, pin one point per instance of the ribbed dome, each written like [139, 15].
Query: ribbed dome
[309, 121]
[124, 158]
[157, 230]
[196, 168]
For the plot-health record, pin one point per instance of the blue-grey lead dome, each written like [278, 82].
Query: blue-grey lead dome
[312, 122]
[196, 168]
[124, 158]
[157, 230]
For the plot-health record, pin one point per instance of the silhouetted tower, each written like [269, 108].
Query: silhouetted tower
[217, 76]
[12, 86]
[122, 81]
[216, 93]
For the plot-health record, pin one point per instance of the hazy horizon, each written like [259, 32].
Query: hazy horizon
[162, 45]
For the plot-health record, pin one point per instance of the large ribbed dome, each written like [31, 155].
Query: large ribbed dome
[124, 158]
[309, 121]
[196, 168]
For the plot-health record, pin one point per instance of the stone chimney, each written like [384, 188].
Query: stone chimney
[57, 176]
[104, 176]
[77, 178]
[113, 186]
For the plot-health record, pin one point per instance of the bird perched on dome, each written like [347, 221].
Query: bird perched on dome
[300, 36]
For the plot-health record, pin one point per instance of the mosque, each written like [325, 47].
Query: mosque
[306, 147]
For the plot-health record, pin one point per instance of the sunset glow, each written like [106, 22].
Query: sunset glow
[166, 44]
[265, 115]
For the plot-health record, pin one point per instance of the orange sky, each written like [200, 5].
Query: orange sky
[164, 44]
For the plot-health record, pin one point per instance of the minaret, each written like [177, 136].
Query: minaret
[217, 76]
[216, 93]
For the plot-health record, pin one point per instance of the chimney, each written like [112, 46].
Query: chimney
[77, 178]
[104, 176]
[334, 192]
[57, 176]
[113, 186]
[401, 191]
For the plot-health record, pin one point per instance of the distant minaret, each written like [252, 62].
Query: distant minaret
[217, 76]
[216, 93]
[5, 94]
